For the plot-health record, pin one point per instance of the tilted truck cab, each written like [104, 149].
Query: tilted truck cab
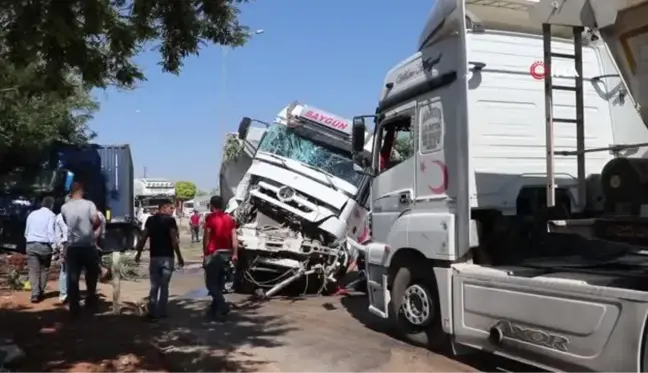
[461, 249]
[298, 199]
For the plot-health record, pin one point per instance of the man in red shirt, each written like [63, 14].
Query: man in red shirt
[219, 242]
[194, 222]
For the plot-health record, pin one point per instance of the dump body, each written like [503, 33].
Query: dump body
[623, 24]
[233, 169]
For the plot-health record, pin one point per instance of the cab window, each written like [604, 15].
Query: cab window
[397, 144]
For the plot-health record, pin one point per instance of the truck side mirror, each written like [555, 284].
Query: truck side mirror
[244, 128]
[358, 134]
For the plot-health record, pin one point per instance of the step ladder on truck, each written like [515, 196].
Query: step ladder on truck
[486, 244]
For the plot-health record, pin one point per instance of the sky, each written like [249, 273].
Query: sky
[332, 54]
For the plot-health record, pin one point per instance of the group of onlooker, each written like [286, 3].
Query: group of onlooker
[72, 238]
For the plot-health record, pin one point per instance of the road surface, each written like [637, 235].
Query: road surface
[313, 333]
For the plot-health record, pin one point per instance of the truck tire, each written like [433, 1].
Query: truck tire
[241, 284]
[414, 309]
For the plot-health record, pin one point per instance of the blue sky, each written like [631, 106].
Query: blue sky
[332, 54]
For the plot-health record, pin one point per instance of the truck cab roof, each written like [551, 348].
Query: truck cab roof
[295, 113]
[622, 24]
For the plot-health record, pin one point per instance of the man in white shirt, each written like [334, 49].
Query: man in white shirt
[60, 234]
[39, 234]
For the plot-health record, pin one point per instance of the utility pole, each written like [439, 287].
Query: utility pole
[145, 172]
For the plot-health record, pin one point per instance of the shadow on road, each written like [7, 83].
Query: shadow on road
[185, 341]
[357, 306]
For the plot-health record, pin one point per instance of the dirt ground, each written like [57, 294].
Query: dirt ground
[282, 335]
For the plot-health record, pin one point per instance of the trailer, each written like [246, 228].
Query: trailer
[108, 177]
[518, 224]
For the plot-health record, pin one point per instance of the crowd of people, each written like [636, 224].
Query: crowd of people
[71, 237]
[74, 238]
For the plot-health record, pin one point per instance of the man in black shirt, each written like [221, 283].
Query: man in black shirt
[162, 230]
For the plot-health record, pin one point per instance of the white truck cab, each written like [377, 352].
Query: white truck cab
[461, 249]
[149, 192]
[300, 197]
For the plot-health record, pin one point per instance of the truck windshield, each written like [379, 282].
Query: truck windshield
[280, 140]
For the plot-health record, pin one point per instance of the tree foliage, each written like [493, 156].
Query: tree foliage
[185, 190]
[31, 121]
[404, 147]
[52, 52]
[97, 39]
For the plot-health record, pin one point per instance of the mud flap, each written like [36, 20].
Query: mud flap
[377, 269]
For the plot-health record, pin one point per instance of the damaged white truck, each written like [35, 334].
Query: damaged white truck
[518, 226]
[297, 201]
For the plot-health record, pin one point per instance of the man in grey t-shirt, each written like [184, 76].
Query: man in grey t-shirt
[81, 218]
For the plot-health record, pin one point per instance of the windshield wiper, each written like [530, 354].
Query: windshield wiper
[272, 155]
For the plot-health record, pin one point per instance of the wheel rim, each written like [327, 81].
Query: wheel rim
[416, 306]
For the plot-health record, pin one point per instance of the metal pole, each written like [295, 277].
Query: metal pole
[548, 87]
[223, 82]
[580, 115]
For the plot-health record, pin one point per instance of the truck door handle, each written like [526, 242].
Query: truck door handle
[404, 198]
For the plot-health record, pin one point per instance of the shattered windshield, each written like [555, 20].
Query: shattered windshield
[280, 140]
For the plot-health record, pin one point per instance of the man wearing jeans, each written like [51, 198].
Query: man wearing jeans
[194, 222]
[162, 229]
[39, 233]
[81, 217]
[219, 242]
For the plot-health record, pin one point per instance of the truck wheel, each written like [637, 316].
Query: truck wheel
[415, 309]
[241, 284]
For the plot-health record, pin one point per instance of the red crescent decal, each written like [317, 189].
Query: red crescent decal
[444, 184]
[537, 70]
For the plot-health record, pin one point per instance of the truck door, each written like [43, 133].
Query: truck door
[391, 190]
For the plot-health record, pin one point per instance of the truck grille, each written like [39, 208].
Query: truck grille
[312, 200]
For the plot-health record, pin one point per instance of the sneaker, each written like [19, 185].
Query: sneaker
[35, 300]
[63, 300]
